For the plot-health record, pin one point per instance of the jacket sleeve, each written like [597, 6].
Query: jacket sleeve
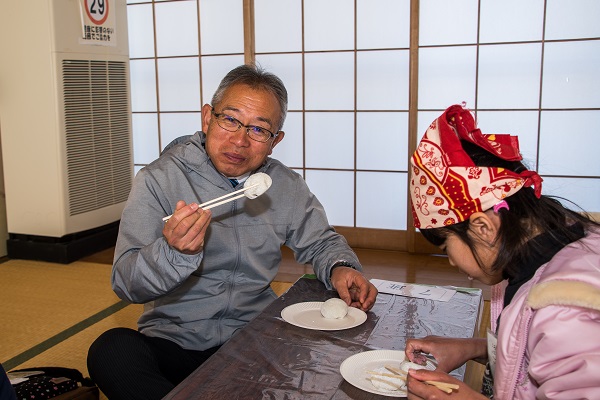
[565, 352]
[145, 266]
[313, 239]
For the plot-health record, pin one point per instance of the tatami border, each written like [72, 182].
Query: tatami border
[62, 336]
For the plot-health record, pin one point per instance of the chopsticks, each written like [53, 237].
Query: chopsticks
[396, 371]
[443, 386]
[211, 203]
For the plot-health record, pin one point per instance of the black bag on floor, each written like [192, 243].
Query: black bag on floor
[48, 382]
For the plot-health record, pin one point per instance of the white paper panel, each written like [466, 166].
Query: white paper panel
[446, 77]
[511, 20]
[288, 67]
[382, 141]
[179, 84]
[424, 119]
[509, 76]
[572, 19]
[174, 125]
[290, 150]
[330, 140]
[382, 81]
[383, 24]
[381, 200]
[143, 85]
[447, 22]
[329, 81]
[335, 190]
[140, 27]
[328, 25]
[145, 138]
[214, 70]
[584, 192]
[221, 26]
[569, 143]
[278, 25]
[176, 29]
[571, 75]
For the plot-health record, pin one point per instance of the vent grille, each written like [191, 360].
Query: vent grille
[98, 143]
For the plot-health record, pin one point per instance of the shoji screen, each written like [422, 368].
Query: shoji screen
[346, 64]
[180, 50]
[527, 68]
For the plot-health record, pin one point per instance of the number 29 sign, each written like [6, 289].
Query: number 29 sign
[97, 11]
[98, 23]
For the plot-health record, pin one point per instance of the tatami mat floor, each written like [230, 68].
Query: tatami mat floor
[53, 312]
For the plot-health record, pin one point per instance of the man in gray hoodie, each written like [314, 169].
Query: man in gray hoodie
[203, 274]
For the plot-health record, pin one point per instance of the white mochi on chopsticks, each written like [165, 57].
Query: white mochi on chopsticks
[257, 184]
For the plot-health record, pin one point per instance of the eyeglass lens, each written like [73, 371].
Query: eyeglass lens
[232, 125]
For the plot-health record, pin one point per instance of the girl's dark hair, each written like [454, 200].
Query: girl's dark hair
[527, 214]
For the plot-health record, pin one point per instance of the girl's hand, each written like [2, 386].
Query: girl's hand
[450, 353]
[418, 389]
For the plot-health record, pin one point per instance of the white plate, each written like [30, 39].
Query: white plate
[354, 369]
[308, 315]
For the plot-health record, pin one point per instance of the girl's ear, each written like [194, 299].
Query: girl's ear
[484, 226]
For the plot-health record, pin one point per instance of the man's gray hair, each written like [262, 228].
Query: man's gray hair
[257, 78]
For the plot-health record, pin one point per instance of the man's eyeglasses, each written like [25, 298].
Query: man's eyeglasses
[231, 124]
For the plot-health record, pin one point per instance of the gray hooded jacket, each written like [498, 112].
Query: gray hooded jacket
[199, 301]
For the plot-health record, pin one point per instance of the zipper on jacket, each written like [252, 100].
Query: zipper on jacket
[231, 282]
[521, 354]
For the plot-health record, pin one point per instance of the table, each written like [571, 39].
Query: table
[272, 359]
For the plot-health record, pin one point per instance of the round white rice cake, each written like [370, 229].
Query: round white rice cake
[262, 180]
[334, 308]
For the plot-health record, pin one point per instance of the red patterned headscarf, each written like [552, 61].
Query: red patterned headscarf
[446, 187]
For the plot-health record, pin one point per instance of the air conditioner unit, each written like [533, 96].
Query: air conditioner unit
[65, 125]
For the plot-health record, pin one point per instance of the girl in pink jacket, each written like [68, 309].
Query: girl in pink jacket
[472, 197]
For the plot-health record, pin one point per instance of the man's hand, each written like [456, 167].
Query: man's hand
[353, 288]
[185, 230]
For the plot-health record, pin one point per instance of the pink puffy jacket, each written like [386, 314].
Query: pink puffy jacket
[549, 335]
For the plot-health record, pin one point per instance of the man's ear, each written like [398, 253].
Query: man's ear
[484, 226]
[206, 116]
[274, 142]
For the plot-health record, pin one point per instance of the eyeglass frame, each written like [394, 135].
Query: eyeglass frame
[240, 125]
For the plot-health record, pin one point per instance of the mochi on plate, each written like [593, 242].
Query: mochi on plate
[334, 309]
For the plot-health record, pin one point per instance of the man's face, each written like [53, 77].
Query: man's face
[234, 153]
